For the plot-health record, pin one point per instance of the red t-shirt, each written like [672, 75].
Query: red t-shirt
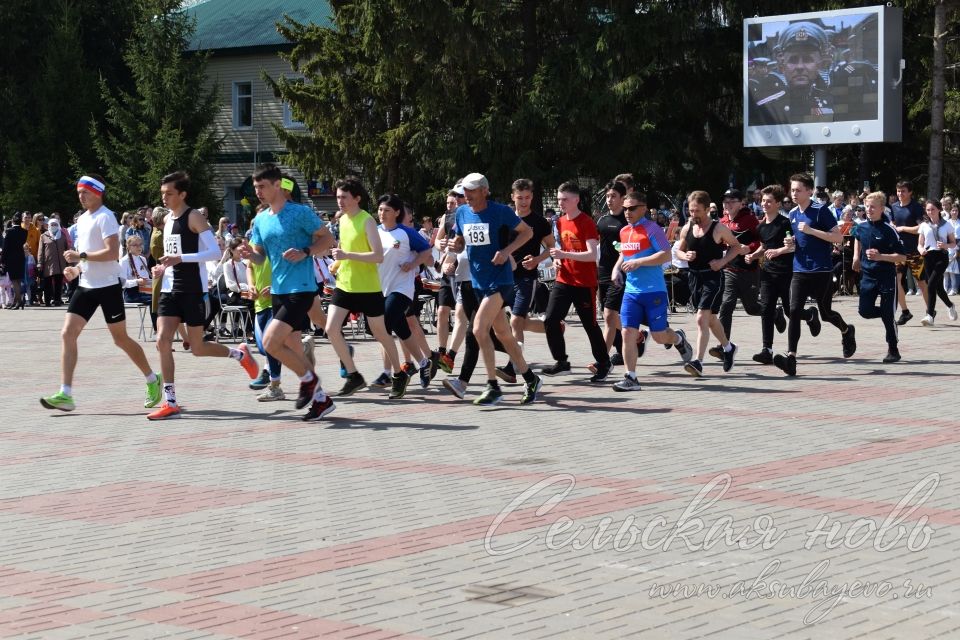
[573, 237]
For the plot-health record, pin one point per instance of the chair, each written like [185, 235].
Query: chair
[239, 319]
[144, 311]
[428, 311]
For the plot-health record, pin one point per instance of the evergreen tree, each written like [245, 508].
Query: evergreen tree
[165, 122]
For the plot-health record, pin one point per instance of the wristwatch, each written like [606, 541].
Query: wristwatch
[306, 250]
[83, 255]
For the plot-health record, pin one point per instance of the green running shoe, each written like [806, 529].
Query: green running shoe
[154, 393]
[489, 397]
[60, 401]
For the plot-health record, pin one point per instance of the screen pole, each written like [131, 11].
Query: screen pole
[820, 166]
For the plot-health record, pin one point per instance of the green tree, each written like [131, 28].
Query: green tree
[165, 122]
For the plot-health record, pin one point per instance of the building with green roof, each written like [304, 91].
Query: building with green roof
[242, 41]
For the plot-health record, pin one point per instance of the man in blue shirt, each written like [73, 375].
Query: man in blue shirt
[877, 248]
[907, 216]
[483, 227]
[815, 231]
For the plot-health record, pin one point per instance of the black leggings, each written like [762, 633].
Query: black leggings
[774, 287]
[934, 266]
[395, 315]
[819, 286]
[584, 300]
[472, 351]
[884, 287]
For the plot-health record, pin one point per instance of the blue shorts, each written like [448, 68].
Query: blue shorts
[648, 309]
[523, 290]
[505, 291]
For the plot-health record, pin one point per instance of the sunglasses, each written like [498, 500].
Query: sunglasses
[635, 207]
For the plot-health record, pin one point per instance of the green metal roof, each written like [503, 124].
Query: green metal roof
[243, 24]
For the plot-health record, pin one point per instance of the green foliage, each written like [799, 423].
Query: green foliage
[165, 122]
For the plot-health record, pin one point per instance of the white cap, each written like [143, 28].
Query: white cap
[474, 181]
[458, 189]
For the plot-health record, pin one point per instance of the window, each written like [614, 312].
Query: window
[288, 121]
[242, 105]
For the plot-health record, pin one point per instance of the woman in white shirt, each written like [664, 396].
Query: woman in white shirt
[936, 239]
[953, 267]
[235, 271]
[135, 273]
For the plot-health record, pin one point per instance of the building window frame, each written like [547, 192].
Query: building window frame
[238, 96]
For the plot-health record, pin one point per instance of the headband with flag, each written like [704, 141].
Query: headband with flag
[90, 184]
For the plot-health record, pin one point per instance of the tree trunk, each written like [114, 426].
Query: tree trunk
[937, 122]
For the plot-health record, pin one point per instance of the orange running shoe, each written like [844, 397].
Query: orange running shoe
[165, 412]
[248, 362]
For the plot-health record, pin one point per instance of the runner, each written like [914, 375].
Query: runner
[611, 292]
[935, 239]
[260, 277]
[701, 245]
[907, 216]
[97, 251]
[576, 284]
[741, 280]
[446, 300]
[358, 288]
[876, 249]
[527, 259]
[482, 227]
[644, 249]
[188, 242]
[815, 231]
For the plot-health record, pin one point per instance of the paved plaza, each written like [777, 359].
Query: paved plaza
[741, 505]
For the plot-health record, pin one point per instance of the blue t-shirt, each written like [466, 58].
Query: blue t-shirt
[485, 234]
[291, 228]
[908, 216]
[639, 241]
[812, 254]
[882, 236]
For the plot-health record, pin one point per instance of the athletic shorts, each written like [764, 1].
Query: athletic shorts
[648, 309]
[191, 308]
[369, 304]
[110, 300]
[293, 308]
[523, 290]
[445, 297]
[611, 296]
[505, 291]
[706, 289]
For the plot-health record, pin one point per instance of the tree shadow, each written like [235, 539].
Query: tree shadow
[355, 423]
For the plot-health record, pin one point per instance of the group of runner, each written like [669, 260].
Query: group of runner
[489, 259]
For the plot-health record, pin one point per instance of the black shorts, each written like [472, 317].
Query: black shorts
[110, 300]
[191, 308]
[293, 308]
[706, 290]
[611, 296]
[445, 297]
[369, 304]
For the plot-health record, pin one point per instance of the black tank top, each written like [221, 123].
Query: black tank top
[707, 249]
[186, 275]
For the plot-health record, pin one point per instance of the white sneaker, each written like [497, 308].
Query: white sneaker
[927, 320]
[456, 387]
[952, 312]
[271, 394]
[952, 292]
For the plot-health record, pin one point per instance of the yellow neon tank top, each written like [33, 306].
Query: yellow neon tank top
[355, 276]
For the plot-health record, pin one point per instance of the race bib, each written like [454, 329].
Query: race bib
[171, 245]
[476, 234]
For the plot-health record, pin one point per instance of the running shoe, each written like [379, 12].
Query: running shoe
[716, 351]
[382, 381]
[319, 409]
[616, 359]
[165, 412]
[694, 368]
[893, 355]
[603, 370]
[927, 320]
[446, 363]
[642, 342]
[629, 383]
[559, 367]
[409, 368]
[60, 401]
[434, 364]
[489, 397]
[507, 374]
[849, 340]
[248, 362]
[780, 320]
[684, 347]
[305, 395]
[343, 367]
[399, 385]
[905, 317]
[272, 394]
[786, 362]
[308, 344]
[425, 376]
[262, 381]
[764, 357]
[728, 357]
[456, 386]
[354, 383]
[814, 321]
[952, 312]
[531, 389]
[154, 393]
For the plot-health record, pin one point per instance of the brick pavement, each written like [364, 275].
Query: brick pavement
[576, 517]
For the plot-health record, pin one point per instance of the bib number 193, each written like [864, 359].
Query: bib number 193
[476, 234]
